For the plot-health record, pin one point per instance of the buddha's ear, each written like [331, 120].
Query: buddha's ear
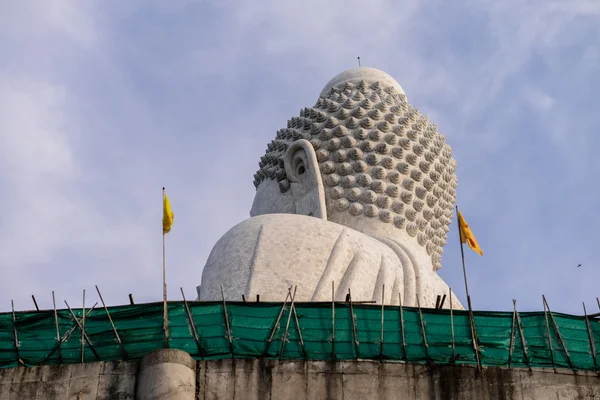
[306, 185]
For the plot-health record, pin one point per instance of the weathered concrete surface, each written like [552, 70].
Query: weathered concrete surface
[256, 379]
[102, 380]
[167, 374]
[271, 379]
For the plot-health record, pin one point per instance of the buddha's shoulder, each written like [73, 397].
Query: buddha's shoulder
[284, 230]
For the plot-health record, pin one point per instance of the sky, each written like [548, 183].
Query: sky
[104, 103]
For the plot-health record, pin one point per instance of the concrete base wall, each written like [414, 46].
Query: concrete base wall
[271, 379]
[100, 380]
[255, 379]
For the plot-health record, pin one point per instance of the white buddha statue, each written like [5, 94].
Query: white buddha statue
[358, 190]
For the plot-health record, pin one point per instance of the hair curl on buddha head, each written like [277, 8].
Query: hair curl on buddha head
[378, 157]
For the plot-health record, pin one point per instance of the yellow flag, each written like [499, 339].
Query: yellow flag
[467, 236]
[168, 215]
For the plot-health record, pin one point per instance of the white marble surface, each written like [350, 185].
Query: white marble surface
[267, 254]
[373, 184]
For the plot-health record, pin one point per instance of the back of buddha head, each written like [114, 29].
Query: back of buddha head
[381, 166]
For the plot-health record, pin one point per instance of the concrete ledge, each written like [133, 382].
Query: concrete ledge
[168, 356]
[171, 374]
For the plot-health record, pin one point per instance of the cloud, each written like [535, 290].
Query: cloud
[101, 105]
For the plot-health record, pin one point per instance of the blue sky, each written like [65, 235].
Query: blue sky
[104, 103]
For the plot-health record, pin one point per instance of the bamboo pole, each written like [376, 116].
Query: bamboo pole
[382, 322]
[423, 329]
[590, 338]
[58, 342]
[332, 321]
[192, 326]
[83, 328]
[354, 327]
[85, 336]
[512, 338]
[402, 327]
[114, 328]
[275, 325]
[65, 338]
[474, 335]
[15, 334]
[522, 335]
[287, 325]
[560, 338]
[549, 336]
[452, 327]
[226, 316]
[293, 309]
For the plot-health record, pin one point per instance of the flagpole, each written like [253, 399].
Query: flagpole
[462, 254]
[471, 316]
[165, 311]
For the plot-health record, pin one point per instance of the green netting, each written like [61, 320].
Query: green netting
[265, 330]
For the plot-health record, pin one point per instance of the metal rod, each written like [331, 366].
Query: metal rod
[442, 302]
[452, 327]
[275, 325]
[192, 325]
[293, 308]
[328, 302]
[471, 318]
[357, 302]
[15, 334]
[287, 325]
[35, 303]
[423, 329]
[58, 342]
[462, 253]
[89, 342]
[164, 271]
[125, 356]
[474, 334]
[382, 321]
[512, 338]
[243, 298]
[64, 339]
[402, 327]
[590, 338]
[332, 321]
[131, 299]
[354, 328]
[83, 327]
[548, 335]
[226, 315]
[560, 338]
[437, 301]
[521, 334]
